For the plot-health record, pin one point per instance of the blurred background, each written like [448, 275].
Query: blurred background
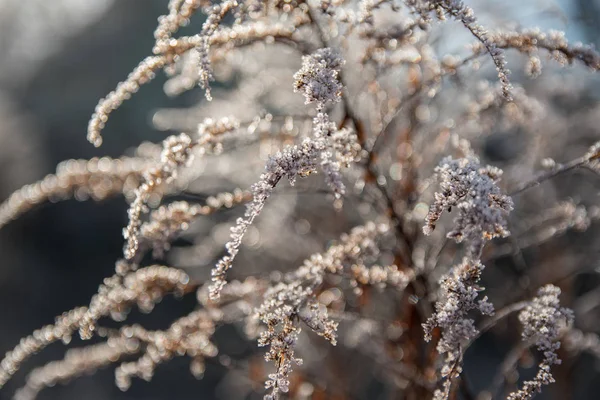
[57, 59]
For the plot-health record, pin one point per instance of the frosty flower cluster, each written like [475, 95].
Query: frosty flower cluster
[318, 79]
[473, 189]
[294, 300]
[459, 292]
[542, 322]
[319, 82]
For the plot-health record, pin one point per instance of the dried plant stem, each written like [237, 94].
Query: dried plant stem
[558, 170]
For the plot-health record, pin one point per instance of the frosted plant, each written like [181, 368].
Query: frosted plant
[189, 335]
[168, 221]
[481, 217]
[531, 41]
[542, 321]
[387, 94]
[291, 163]
[319, 82]
[481, 206]
[142, 74]
[215, 15]
[293, 301]
[389, 276]
[98, 178]
[318, 78]
[62, 329]
[458, 297]
[145, 287]
[457, 9]
[77, 362]
[177, 153]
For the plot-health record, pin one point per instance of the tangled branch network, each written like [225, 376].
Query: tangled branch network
[330, 116]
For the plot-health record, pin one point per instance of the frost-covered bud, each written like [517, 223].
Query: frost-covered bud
[459, 292]
[473, 190]
[318, 78]
[533, 68]
[543, 319]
